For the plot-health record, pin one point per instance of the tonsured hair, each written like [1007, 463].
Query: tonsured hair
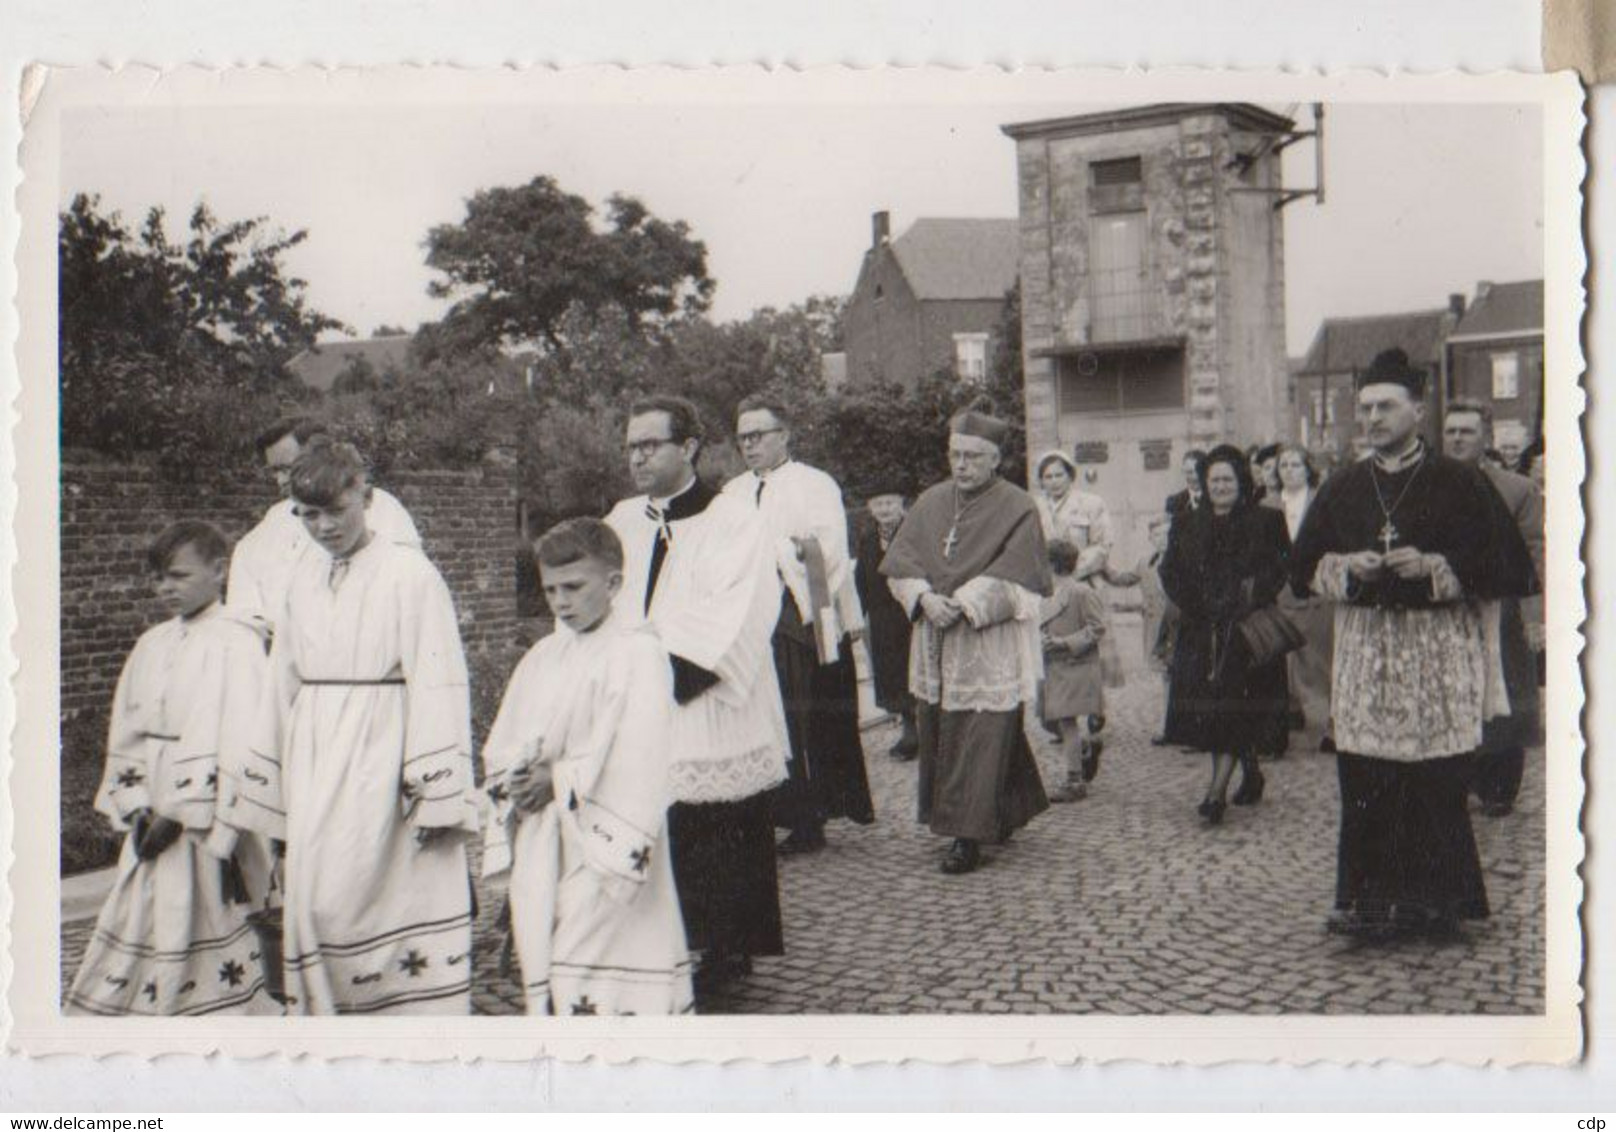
[573, 540]
[326, 469]
[209, 541]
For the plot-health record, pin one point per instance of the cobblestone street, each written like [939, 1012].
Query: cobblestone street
[1120, 904]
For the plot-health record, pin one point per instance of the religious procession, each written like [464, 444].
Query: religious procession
[818, 719]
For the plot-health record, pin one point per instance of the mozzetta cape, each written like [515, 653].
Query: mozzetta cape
[263, 562]
[998, 571]
[1415, 673]
[593, 905]
[364, 737]
[166, 942]
[715, 606]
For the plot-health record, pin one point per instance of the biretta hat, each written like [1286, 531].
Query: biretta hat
[1391, 367]
[973, 422]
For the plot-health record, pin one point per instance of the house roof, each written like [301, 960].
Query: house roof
[959, 258]
[1242, 115]
[1503, 310]
[1344, 345]
[319, 366]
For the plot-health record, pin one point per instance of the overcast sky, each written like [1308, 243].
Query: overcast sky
[1422, 200]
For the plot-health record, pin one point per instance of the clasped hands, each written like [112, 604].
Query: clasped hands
[1406, 562]
[943, 612]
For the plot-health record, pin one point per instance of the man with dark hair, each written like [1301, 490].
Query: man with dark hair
[1466, 431]
[1407, 542]
[262, 566]
[806, 522]
[1190, 497]
[697, 564]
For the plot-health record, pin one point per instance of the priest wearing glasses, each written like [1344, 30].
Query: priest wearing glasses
[969, 566]
[1408, 543]
[801, 509]
[698, 564]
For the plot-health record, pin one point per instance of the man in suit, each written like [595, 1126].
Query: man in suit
[1501, 760]
[1190, 497]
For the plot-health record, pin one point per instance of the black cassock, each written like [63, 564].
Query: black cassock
[888, 626]
[1406, 847]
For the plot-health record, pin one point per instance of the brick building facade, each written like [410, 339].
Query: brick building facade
[110, 512]
[929, 300]
[1152, 291]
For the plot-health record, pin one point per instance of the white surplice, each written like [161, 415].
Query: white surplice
[364, 738]
[716, 602]
[594, 910]
[263, 562]
[167, 941]
[795, 500]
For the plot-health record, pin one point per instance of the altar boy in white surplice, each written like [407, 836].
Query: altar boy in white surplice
[578, 764]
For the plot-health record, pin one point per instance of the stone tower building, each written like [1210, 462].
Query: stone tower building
[1152, 292]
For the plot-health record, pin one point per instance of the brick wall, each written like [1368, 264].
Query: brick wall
[109, 513]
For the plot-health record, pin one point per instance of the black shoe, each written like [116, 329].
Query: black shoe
[903, 754]
[1158, 741]
[964, 856]
[1327, 745]
[908, 744]
[1212, 811]
[800, 841]
[1251, 789]
[1096, 724]
[1091, 759]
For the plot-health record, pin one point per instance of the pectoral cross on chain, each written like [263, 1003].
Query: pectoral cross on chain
[1388, 535]
[951, 541]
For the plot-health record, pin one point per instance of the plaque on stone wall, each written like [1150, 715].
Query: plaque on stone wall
[1092, 452]
[1158, 454]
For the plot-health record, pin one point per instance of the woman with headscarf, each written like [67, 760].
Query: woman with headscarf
[1223, 562]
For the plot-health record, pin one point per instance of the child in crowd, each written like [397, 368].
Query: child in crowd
[172, 937]
[578, 782]
[361, 763]
[1073, 624]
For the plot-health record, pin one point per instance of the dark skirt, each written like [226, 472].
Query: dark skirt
[978, 779]
[827, 776]
[1406, 842]
[724, 868]
[1217, 700]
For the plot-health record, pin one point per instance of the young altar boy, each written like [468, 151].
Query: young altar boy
[577, 766]
[172, 937]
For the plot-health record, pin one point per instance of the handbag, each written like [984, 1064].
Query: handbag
[1269, 634]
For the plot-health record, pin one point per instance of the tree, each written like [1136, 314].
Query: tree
[524, 257]
[166, 346]
[388, 330]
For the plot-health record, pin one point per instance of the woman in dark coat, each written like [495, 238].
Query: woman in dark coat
[1223, 561]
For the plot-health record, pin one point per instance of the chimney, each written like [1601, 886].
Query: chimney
[1456, 306]
[880, 229]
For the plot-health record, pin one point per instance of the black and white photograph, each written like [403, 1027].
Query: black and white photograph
[983, 548]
